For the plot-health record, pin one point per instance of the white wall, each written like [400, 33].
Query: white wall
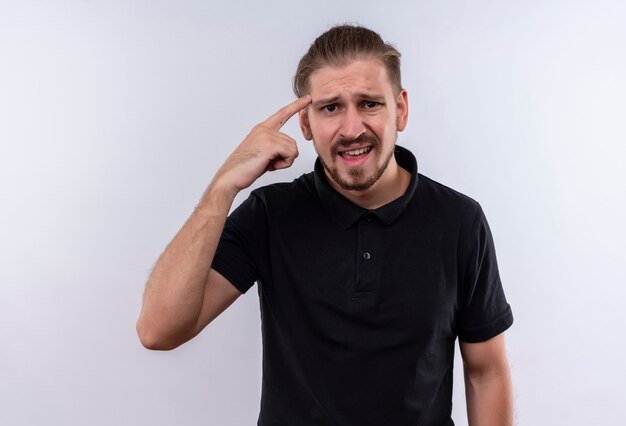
[115, 115]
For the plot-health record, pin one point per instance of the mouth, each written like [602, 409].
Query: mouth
[355, 155]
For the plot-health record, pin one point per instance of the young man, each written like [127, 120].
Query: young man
[367, 271]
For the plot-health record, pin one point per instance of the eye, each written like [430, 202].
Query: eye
[371, 104]
[330, 108]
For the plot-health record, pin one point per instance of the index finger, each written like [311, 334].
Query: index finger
[280, 117]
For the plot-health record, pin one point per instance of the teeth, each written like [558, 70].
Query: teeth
[357, 151]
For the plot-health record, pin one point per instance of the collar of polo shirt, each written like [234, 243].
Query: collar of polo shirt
[347, 213]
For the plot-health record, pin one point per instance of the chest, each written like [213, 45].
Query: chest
[398, 281]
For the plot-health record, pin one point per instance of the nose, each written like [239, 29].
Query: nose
[352, 125]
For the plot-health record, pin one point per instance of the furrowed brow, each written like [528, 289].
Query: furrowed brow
[371, 97]
[327, 101]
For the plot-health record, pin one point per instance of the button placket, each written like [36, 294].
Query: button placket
[365, 260]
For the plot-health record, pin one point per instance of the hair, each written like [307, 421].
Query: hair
[341, 45]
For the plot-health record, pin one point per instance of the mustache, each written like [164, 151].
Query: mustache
[361, 139]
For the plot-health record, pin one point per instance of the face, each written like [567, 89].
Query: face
[353, 121]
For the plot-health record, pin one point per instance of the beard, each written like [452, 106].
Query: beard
[358, 179]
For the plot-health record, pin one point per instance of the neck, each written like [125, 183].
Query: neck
[391, 185]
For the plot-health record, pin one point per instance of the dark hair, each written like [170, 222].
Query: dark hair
[342, 44]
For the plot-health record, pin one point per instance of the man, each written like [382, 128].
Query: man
[367, 271]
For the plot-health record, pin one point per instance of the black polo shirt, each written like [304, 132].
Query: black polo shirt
[361, 308]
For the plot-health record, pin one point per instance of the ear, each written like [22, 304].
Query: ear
[305, 126]
[402, 110]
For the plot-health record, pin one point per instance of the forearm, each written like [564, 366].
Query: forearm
[174, 293]
[174, 296]
[489, 397]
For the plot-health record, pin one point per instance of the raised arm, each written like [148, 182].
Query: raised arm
[183, 293]
[487, 383]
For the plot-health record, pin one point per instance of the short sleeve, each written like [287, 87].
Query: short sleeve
[242, 239]
[484, 311]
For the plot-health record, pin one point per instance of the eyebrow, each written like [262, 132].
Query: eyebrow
[325, 101]
[334, 99]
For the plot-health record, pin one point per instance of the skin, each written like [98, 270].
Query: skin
[354, 106]
[184, 294]
[488, 389]
[349, 107]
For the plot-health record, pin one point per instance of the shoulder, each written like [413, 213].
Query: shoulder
[287, 194]
[283, 191]
[445, 201]
[441, 193]
[273, 204]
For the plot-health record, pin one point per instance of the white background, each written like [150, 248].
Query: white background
[114, 116]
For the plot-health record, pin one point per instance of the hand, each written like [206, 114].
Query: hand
[264, 149]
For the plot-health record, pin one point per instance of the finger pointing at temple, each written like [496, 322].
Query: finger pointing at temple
[280, 117]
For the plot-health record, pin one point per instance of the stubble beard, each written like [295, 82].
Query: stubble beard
[357, 173]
